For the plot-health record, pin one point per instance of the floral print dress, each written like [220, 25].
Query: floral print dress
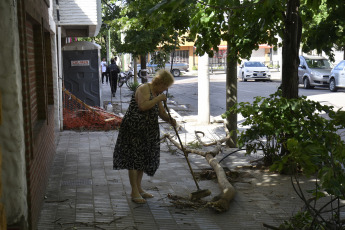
[138, 143]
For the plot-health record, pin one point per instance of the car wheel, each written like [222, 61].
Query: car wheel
[243, 79]
[176, 72]
[306, 83]
[332, 86]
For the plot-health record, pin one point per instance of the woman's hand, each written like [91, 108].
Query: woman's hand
[161, 97]
[173, 122]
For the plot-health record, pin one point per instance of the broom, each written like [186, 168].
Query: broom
[200, 193]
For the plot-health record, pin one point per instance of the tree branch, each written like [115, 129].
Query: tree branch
[109, 6]
[229, 8]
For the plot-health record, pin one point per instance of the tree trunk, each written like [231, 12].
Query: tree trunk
[135, 69]
[291, 43]
[231, 99]
[143, 66]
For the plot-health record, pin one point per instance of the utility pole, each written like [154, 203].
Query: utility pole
[203, 90]
[108, 46]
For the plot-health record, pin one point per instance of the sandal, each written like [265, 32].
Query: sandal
[146, 195]
[138, 200]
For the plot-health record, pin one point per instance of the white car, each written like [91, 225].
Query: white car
[254, 70]
[337, 78]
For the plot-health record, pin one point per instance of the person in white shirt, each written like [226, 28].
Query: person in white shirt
[104, 71]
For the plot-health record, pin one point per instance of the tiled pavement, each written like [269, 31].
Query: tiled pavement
[84, 192]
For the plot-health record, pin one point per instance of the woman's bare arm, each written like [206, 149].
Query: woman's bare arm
[142, 96]
[164, 115]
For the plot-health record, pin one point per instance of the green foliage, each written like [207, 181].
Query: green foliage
[195, 67]
[194, 145]
[300, 135]
[302, 220]
[160, 58]
[243, 24]
[133, 85]
[326, 23]
[275, 119]
[141, 32]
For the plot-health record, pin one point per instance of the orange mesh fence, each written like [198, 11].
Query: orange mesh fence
[80, 116]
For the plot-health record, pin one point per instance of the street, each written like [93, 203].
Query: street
[185, 92]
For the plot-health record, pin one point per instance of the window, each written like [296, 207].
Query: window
[340, 66]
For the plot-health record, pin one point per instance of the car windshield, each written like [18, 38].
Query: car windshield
[318, 63]
[253, 64]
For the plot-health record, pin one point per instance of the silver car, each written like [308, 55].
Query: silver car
[337, 78]
[176, 68]
[313, 71]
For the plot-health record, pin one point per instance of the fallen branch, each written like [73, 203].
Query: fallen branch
[220, 203]
[216, 142]
[213, 152]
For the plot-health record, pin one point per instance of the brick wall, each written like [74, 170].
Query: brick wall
[38, 99]
[31, 71]
[44, 151]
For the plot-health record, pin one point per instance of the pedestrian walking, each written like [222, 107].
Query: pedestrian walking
[113, 70]
[104, 71]
[137, 148]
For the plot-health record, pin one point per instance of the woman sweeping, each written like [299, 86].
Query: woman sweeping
[138, 143]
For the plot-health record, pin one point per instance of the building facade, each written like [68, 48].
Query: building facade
[30, 92]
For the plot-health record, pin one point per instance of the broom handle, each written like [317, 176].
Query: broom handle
[183, 150]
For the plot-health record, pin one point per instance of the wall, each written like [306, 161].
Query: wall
[83, 15]
[27, 85]
[14, 195]
[36, 57]
[258, 55]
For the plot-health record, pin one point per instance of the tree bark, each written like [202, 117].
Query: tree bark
[291, 43]
[143, 66]
[222, 202]
[231, 99]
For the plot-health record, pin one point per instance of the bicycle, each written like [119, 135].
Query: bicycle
[128, 77]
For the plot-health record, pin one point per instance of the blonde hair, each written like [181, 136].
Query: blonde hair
[163, 77]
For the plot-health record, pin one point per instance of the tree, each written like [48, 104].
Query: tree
[326, 27]
[240, 23]
[141, 36]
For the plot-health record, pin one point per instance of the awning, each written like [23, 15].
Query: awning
[222, 47]
[262, 46]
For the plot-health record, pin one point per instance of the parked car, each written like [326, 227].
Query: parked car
[337, 78]
[254, 70]
[176, 68]
[313, 71]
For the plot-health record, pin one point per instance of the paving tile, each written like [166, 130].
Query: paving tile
[83, 174]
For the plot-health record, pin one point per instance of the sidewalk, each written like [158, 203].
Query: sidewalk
[86, 193]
